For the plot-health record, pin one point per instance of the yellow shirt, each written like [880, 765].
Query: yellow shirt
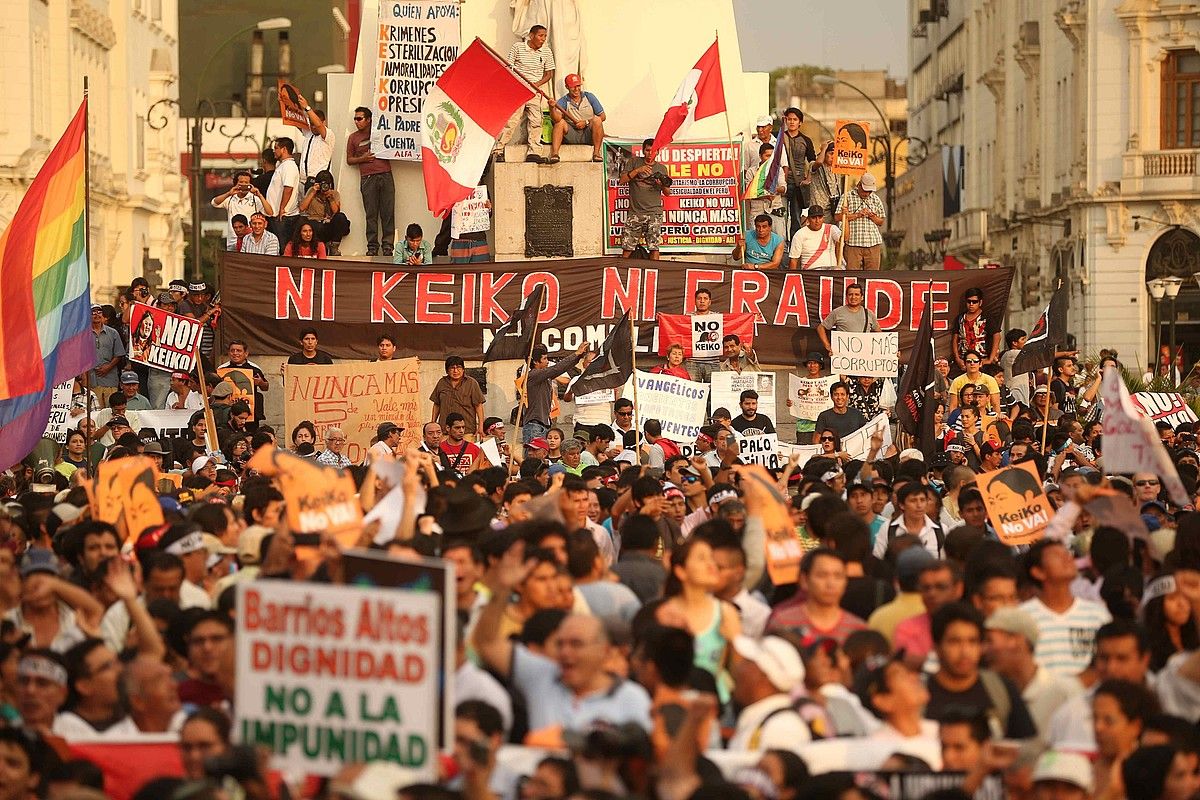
[888, 616]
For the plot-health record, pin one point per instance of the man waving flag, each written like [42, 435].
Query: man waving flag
[702, 94]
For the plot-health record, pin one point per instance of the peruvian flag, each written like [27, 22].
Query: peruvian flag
[702, 94]
[463, 115]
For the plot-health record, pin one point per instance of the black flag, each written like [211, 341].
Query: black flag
[513, 339]
[1049, 334]
[613, 363]
[917, 382]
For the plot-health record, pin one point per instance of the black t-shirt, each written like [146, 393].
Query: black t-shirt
[841, 424]
[1064, 395]
[319, 357]
[752, 427]
[1020, 723]
[864, 594]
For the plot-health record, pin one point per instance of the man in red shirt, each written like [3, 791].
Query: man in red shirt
[458, 455]
[375, 183]
[820, 614]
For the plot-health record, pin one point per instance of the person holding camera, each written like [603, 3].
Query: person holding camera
[322, 206]
[242, 198]
[648, 182]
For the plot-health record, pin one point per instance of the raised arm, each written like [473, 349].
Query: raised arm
[500, 579]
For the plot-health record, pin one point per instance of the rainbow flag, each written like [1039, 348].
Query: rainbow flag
[45, 301]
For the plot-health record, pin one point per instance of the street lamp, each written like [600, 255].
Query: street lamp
[889, 150]
[204, 120]
[1158, 291]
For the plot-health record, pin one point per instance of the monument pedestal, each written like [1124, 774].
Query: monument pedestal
[582, 208]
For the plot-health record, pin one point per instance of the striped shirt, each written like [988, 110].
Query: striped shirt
[529, 63]
[267, 246]
[864, 232]
[1066, 641]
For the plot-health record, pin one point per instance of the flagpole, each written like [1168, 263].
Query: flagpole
[523, 397]
[736, 155]
[210, 423]
[841, 246]
[637, 428]
[87, 249]
[1046, 418]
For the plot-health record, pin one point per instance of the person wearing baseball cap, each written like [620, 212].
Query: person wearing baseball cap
[763, 134]
[866, 214]
[814, 245]
[1063, 776]
[765, 673]
[387, 439]
[578, 119]
[110, 352]
[1010, 639]
[134, 400]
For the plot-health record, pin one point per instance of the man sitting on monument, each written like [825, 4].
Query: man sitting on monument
[578, 119]
[763, 249]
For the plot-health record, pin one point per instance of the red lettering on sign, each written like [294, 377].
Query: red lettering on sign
[938, 291]
[693, 280]
[427, 296]
[650, 296]
[614, 291]
[328, 295]
[468, 298]
[550, 301]
[825, 295]
[490, 285]
[877, 290]
[749, 289]
[792, 302]
[287, 293]
[381, 307]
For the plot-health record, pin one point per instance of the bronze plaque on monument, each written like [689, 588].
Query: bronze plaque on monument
[548, 221]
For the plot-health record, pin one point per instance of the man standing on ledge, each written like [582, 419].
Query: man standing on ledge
[865, 215]
[648, 183]
[375, 183]
[534, 62]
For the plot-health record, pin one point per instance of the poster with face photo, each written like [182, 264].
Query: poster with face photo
[160, 339]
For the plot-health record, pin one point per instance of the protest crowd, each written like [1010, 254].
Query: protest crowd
[934, 580]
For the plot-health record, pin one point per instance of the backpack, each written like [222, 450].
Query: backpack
[997, 692]
[894, 530]
[810, 713]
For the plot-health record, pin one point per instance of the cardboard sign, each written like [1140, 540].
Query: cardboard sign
[415, 41]
[810, 396]
[596, 398]
[762, 448]
[857, 444]
[330, 675]
[680, 405]
[319, 498]
[1164, 407]
[59, 422]
[168, 423]
[160, 339]
[727, 388]
[290, 110]
[1131, 442]
[783, 560]
[126, 496]
[1016, 503]
[355, 396]
[242, 381]
[472, 215]
[865, 354]
[851, 147]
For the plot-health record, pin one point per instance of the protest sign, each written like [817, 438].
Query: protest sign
[160, 339]
[1016, 503]
[851, 141]
[761, 448]
[242, 381]
[700, 215]
[596, 398]
[727, 388]
[415, 42]
[471, 215]
[319, 498]
[266, 302]
[783, 559]
[702, 335]
[291, 112]
[355, 396]
[806, 452]
[810, 396]
[168, 423]
[858, 443]
[60, 413]
[330, 675]
[861, 354]
[680, 405]
[1131, 442]
[126, 495]
[1166, 407]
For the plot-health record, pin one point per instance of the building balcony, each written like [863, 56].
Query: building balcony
[1161, 172]
[968, 233]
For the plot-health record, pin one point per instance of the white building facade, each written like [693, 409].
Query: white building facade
[1080, 127]
[128, 50]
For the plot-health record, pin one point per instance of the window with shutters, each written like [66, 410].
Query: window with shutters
[1181, 100]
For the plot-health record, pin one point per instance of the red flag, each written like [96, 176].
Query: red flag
[703, 332]
[702, 94]
[463, 114]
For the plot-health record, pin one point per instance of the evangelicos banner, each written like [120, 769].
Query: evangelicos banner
[444, 309]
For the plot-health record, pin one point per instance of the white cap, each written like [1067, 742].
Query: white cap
[200, 463]
[764, 121]
[776, 657]
[911, 454]
[1069, 768]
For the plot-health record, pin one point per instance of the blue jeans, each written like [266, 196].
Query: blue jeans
[532, 430]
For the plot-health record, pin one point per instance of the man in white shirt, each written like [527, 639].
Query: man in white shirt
[259, 240]
[283, 195]
[181, 396]
[1012, 636]
[897, 695]
[316, 148]
[242, 198]
[534, 61]
[764, 677]
[387, 439]
[913, 499]
[815, 244]
[1067, 624]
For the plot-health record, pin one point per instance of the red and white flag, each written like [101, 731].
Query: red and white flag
[463, 115]
[702, 94]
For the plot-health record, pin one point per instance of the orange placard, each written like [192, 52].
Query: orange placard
[783, 560]
[242, 381]
[126, 495]
[851, 143]
[1016, 503]
[290, 110]
[319, 499]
